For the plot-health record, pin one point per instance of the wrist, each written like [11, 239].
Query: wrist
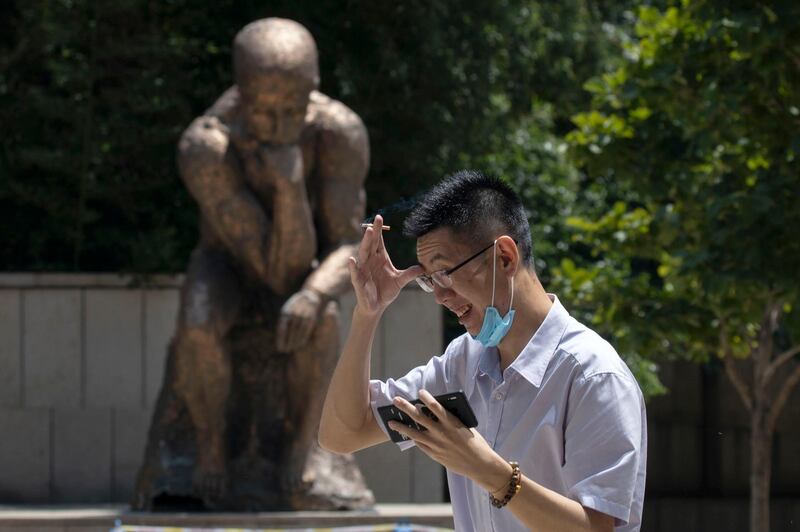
[511, 489]
[495, 478]
[365, 315]
[315, 295]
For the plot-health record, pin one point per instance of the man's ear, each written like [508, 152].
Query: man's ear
[509, 254]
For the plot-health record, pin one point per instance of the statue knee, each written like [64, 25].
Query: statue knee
[194, 343]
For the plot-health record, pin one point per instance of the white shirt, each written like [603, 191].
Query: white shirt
[567, 409]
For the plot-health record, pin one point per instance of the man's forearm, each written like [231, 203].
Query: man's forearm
[346, 414]
[541, 508]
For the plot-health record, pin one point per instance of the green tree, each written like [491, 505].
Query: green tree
[94, 95]
[694, 143]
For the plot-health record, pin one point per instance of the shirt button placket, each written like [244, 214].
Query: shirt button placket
[497, 414]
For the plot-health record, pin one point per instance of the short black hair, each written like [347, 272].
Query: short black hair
[475, 207]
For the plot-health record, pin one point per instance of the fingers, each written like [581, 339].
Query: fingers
[356, 277]
[414, 412]
[293, 332]
[377, 226]
[352, 267]
[304, 331]
[283, 333]
[434, 406]
[365, 246]
[409, 432]
[299, 332]
[372, 245]
[409, 274]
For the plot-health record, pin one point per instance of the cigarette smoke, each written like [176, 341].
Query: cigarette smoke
[404, 205]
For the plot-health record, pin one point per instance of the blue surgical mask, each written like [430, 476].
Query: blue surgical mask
[495, 328]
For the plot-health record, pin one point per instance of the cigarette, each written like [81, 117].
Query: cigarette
[385, 227]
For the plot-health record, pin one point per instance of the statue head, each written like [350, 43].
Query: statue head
[275, 67]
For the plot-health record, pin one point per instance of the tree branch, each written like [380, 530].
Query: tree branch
[730, 369]
[738, 383]
[780, 360]
[782, 397]
[769, 323]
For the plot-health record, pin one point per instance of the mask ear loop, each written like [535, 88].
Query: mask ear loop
[511, 303]
[494, 268]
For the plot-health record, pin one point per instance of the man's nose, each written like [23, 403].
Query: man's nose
[441, 294]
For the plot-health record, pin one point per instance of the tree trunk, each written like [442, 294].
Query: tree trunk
[760, 466]
[764, 409]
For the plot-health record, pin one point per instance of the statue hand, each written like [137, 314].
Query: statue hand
[375, 279]
[299, 316]
[282, 163]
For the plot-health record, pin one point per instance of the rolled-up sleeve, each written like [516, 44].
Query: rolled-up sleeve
[602, 443]
[435, 377]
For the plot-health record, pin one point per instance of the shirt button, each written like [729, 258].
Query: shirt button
[499, 396]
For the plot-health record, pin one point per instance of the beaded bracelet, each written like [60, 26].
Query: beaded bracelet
[514, 485]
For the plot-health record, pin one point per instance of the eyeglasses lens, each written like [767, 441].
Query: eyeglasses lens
[424, 282]
[442, 279]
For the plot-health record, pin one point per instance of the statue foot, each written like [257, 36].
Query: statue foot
[210, 481]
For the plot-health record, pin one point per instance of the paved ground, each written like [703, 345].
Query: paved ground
[102, 518]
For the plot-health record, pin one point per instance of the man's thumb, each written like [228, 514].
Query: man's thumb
[409, 274]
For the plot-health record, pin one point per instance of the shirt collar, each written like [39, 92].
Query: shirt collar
[532, 362]
[489, 364]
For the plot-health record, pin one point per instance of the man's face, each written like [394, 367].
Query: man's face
[273, 108]
[471, 291]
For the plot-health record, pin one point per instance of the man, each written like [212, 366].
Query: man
[277, 170]
[548, 392]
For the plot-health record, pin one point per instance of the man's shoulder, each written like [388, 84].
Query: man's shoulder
[591, 353]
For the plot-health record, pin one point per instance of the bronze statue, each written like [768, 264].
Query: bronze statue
[277, 170]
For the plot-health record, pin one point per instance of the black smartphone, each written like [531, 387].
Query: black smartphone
[454, 402]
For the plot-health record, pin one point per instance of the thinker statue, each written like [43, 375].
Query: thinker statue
[277, 170]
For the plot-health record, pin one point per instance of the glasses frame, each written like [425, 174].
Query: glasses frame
[426, 281]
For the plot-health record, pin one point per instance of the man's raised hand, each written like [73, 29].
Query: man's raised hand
[375, 279]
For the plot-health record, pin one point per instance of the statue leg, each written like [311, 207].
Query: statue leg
[308, 375]
[210, 301]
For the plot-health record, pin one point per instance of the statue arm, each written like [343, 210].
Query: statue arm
[210, 172]
[293, 239]
[342, 164]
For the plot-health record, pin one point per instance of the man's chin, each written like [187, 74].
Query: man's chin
[472, 330]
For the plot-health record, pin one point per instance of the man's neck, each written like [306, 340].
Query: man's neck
[531, 305]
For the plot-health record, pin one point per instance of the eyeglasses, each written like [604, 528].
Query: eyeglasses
[442, 277]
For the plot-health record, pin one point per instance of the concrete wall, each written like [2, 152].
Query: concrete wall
[81, 363]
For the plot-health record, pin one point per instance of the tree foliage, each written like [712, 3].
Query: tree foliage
[690, 214]
[95, 94]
